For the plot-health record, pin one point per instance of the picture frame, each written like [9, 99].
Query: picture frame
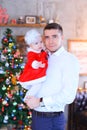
[78, 47]
[85, 84]
[30, 19]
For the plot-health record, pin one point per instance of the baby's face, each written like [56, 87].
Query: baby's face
[37, 45]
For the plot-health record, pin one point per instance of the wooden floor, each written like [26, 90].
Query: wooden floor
[7, 129]
[3, 128]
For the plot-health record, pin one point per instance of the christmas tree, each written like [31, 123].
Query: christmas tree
[12, 108]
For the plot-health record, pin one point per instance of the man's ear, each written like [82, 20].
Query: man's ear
[43, 38]
[62, 37]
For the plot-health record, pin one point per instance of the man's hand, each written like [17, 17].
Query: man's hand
[32, 102]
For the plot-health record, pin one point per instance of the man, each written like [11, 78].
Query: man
[60, 86]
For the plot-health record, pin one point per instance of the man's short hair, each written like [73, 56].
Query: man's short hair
[54, 26]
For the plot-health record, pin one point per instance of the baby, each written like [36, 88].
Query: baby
[34, 72]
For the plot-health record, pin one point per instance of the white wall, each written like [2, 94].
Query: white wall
[72, 14]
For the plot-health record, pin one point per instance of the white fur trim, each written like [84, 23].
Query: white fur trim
[35, 64]
[31, 36]
[30, 49]
[28, 84]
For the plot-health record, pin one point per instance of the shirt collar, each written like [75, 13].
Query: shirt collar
[30, 49]
[59, 51]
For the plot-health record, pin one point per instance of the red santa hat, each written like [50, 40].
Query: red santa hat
[31, 36]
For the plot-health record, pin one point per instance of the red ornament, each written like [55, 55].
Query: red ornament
[14, 118]
[1, 79]
[2, 109]
[0, 99]
[30, 113]
[9, 95]
[5, 40]
[9, 35]
[20, 122]
[7, 105]
[13, 21]
[5, 50]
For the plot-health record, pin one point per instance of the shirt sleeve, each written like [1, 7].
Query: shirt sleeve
[68, 87]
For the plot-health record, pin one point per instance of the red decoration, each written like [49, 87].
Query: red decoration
[13, 129]
[0, 99]
[20, 122]
[29, 113]
[5, 50]
[5, 40]
[17, 54]
[13, 21]
[14, 118]
[1, 79]
[9, 35]
[2, 109]
[3, 15]
[7, 105]
[9, 95]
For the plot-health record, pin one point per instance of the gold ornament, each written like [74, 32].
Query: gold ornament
[13, 80]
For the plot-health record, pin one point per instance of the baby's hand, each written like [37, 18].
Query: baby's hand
[42, 65]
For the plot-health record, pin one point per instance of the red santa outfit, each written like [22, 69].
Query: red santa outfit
[34, 73]
[31, 74]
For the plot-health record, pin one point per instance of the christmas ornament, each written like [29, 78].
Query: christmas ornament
[3, 58]
[17, 54]
[12, 114]
[14, 47]
[5, 40]
[7, 81]
[9, 95]
[3, 109]
[13, 80]
[14, 103]
[6, 117]
[20, 122]
[1, 79]
[5, 51]
[14, 111]
[14, 118]
[7, 64]
[4, 102]
[10, 45]
[1, 70]
[10, 40]
[4, 87]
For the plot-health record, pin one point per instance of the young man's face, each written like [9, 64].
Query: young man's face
[53, 39]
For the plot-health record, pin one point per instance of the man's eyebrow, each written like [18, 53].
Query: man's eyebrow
[54, 35]
[46, 36]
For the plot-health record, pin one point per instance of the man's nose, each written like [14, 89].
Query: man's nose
[51, 40]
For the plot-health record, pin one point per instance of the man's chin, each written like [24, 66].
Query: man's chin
[53, 50]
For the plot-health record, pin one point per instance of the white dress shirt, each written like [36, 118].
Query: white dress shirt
[61, 83]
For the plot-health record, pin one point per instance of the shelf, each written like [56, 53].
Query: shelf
[23, 25]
